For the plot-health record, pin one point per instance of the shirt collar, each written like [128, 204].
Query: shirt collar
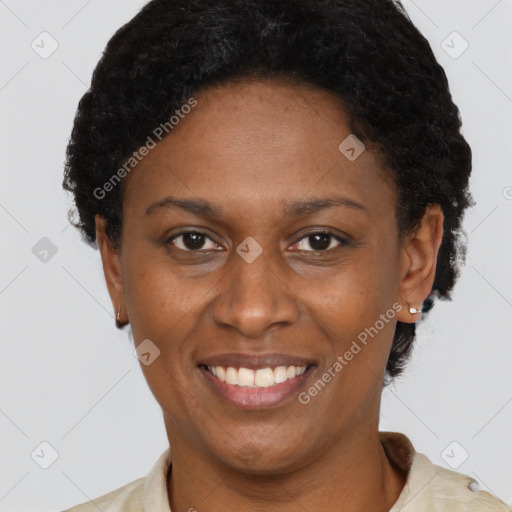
[154, 494]
[418, 468]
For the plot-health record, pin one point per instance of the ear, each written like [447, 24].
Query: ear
[112, 270]
[418, 262]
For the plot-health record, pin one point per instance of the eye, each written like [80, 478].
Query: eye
[192, 241]
[320, 241]
[195, 241]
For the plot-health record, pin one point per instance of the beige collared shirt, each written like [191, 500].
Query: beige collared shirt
[428, 488]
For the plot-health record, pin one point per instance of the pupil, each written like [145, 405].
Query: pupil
[324, 241]
[193, 240]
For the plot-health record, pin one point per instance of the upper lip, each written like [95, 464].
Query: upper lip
[255, 361]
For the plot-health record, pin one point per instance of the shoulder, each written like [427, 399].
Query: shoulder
[124, 499]
[144, 494]
[430, 487]
[456, 492]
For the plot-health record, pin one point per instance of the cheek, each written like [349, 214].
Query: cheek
[355, 311]
[159, 298]
[169, 383]
[164, 310]
[354, 295]
[161, 311]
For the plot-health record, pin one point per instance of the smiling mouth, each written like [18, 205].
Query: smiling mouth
[260, 378]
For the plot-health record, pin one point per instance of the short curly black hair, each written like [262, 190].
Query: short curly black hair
[367, 52]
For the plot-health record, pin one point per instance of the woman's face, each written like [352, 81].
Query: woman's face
[256, 169]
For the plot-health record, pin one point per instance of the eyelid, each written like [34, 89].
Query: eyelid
[343, 240]
[171, 238]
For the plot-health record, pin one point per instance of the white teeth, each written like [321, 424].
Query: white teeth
[245, 377]
[231, 376]
[280, 374]
[290, 372]
[263, 378]
[221, 373]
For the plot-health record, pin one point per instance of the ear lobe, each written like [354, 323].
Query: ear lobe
[419, 257]
[111, 264]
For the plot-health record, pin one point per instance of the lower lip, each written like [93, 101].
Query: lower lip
[256, 398]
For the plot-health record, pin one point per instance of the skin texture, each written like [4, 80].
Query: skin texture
[251, 148]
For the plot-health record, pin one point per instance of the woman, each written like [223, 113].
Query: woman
[276, 189]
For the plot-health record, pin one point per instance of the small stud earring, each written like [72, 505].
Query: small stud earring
[413, 311]
[119, 312]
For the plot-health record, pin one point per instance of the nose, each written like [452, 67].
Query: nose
[254, 298]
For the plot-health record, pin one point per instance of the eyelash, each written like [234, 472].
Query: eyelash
[343, 241]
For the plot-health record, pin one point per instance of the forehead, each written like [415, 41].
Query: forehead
[258, 142]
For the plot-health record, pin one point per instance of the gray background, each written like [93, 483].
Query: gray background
[69, 378]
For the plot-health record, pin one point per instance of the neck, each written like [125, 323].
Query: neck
[352, 475]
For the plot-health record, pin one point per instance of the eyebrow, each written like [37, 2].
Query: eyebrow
[200, 207]
[204, 208]
[308, 206]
